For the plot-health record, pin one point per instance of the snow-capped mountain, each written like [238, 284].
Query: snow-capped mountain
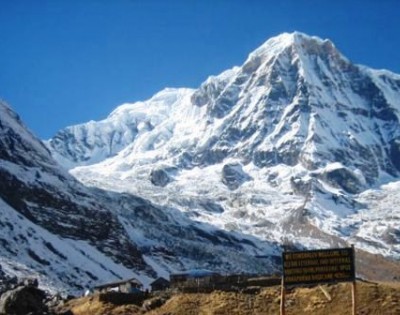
[73, 237]
[296, 144]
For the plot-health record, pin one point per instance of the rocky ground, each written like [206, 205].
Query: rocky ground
[373, 298]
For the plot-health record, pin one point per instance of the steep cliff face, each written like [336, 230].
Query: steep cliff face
[298, 101]
[289, 145]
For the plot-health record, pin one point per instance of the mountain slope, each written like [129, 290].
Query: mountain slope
[73, 237]
[289, 146]
[51, 224]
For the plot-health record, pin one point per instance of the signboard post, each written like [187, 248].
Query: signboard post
[353, 288]
[319, 266]
[282, 309]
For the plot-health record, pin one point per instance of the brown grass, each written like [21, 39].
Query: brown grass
[92, 305]
[372, 298]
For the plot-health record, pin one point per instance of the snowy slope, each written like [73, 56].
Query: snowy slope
[51, 224]
[93, 142]
[283, 147]
[60, 264]
[73, 237]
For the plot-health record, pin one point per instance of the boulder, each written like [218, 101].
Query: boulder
[343, 178]
[162, 176]
[233, 175]
[23, 300]
[154, 303]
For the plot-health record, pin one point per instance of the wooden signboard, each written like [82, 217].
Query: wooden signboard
[318, 266]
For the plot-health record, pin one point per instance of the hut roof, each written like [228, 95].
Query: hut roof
[117, 283]
[196, 273]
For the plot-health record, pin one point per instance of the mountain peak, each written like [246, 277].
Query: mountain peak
[15, 138]
[276, 45]
[287, 142]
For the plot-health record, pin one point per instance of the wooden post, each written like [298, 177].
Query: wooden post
[354, 285]
[283, 293]
[353, 297]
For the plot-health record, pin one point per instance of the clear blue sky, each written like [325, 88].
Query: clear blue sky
[64, 62]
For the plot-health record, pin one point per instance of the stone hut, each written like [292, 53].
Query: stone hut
[124, 286]
[159, 284]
